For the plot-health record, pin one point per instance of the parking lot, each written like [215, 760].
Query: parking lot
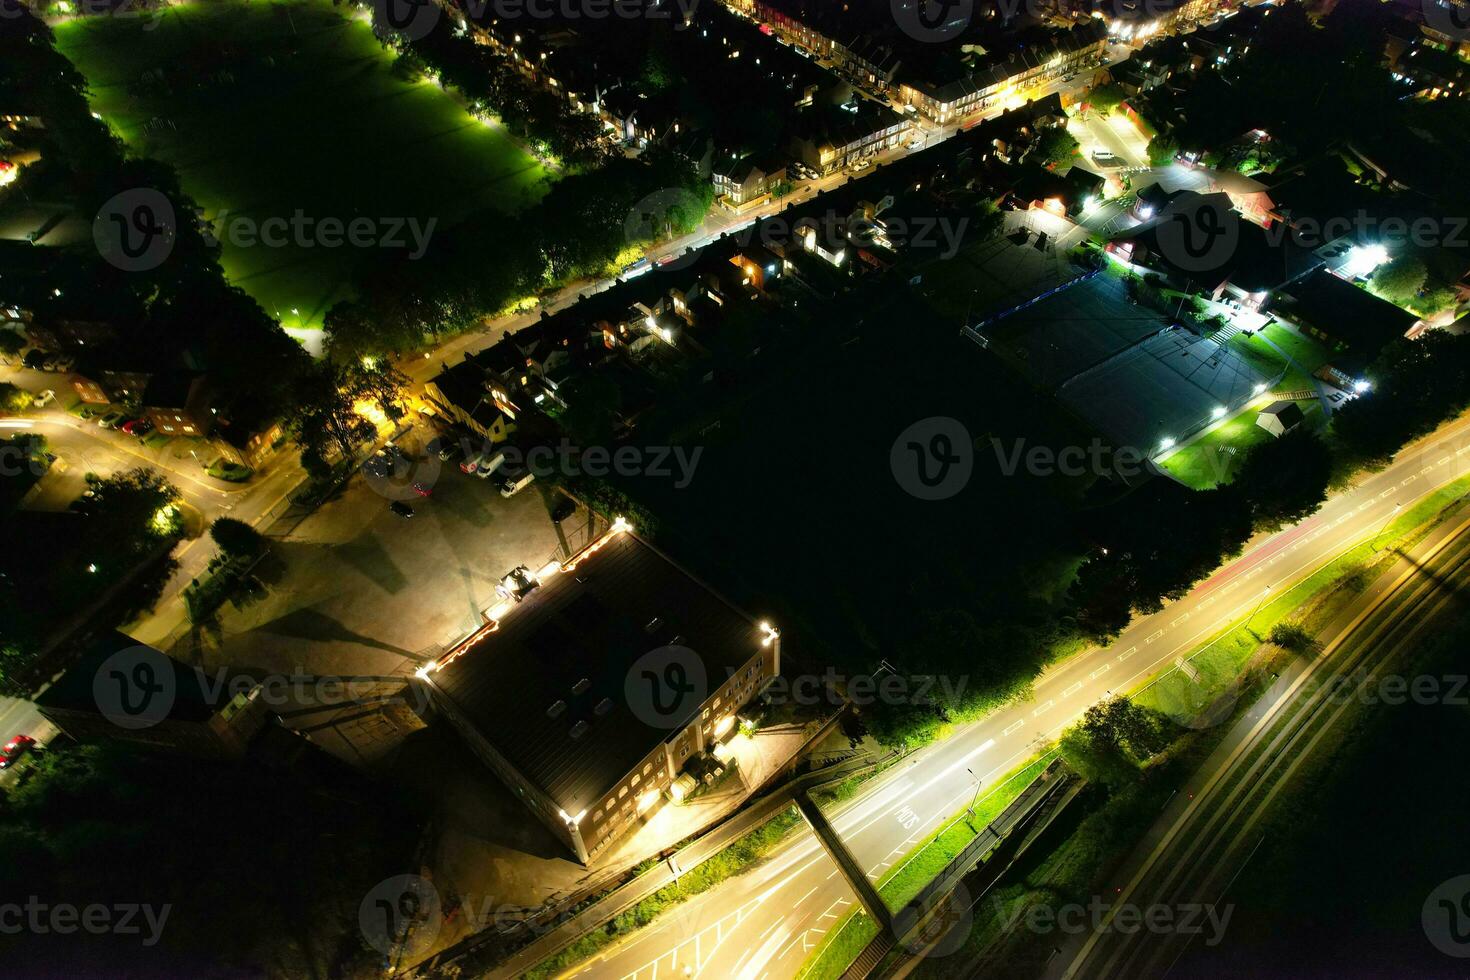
[355, 589]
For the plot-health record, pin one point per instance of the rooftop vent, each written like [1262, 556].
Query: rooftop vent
[653, 625]
[580, 729]
[581, 686]
[556, 710]
[603, 707]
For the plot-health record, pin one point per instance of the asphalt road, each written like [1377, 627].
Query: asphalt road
[764, 923]
[1199, 845]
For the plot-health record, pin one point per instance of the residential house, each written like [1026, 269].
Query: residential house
[177, 402]
[475, 398]
[742, 182]
[826, 139]
[1345, 316]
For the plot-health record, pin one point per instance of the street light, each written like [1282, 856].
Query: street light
[1391, 515]
[1264, 592]
[976, 798]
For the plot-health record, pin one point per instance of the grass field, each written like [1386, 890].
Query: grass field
[271, 108]
[1213, 457]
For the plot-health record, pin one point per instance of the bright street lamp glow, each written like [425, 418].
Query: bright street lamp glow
[1218, 413]
[1260, 388]
[1363, 259]
[1362, 386]
[1167, 443]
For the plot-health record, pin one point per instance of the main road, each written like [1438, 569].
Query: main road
[1210, 830]
[765, 922]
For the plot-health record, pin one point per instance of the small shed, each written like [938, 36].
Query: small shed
[1281, 417]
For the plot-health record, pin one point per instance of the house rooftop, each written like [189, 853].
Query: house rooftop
[547, 685]
[1345, 312]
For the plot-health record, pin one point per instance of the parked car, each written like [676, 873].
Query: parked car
[44, 398]
[138, 427]
[513, 483]
[445, 447]
[423, 489]
[861, 165]
[35, 359]
[14, 749]
[491, 463]
[111, 420]
[471, 464]
[401, 509]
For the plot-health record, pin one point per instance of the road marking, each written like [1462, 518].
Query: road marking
[1208, 601]
[1043, 709]
[1127, 653]
[1386, 493]
[1180, 620]
[1445, 460]
[1232, 585]
[1102, 670]
[1013, 727]
[1408, 481]
[1155, 636]
[1072, 690]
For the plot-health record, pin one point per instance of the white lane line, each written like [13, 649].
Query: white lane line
[1127, 653]
[1012, 728]
[1042, 710]
[1072, 690]
[1408, 481]
[1155, 636]
[1386, 493]
[1180, 620]
[1101, 670]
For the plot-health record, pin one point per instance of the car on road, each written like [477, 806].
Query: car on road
[401, 509]
[861, 165]
[137, 427]
[14, 749]
[111, 420]
[44, 398]
[1106, 158]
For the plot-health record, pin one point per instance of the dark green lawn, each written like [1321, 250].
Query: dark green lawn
[269, 108]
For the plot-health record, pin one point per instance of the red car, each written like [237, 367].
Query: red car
[423, 490]
[138, 427]
[14, 749]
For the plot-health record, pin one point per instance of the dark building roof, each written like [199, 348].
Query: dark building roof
[76, 689]
[1258, 261]
[619, 603]
[1345, 312]
[1288, 413]
[170, 389]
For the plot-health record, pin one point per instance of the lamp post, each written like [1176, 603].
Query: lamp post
[1264, 592]
[1391, 515]
[976, 798]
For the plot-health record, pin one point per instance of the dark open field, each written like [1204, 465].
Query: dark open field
[271, 108]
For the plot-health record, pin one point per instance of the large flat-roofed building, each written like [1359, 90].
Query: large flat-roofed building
[585, 696]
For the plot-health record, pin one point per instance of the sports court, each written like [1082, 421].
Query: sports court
[1165, 388]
